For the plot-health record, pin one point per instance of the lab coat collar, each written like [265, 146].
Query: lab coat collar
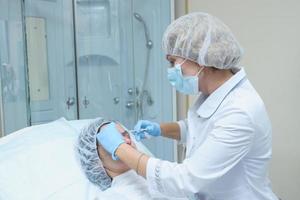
[213, 101]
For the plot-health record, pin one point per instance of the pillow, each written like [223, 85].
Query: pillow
[38, 161]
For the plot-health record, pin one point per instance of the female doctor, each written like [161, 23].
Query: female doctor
[227, 133]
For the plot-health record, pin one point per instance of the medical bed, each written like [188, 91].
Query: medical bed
[39, 162]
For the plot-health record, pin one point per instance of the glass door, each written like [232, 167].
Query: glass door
[13, 99]
[105, 71]
[51, 60]
[80, 62]
[85, 59]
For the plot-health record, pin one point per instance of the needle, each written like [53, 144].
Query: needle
[136, 131]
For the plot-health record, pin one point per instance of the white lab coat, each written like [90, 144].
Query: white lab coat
[228, 137]
[128, 186]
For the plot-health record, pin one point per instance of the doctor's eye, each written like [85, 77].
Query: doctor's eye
[171, 64]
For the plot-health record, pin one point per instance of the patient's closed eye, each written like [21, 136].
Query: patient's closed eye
[125, 133]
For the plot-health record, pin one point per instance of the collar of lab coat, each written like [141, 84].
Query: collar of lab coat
[213, 101]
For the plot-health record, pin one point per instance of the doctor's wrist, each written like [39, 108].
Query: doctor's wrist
[132, 158]
[120, 148]
[114, 155]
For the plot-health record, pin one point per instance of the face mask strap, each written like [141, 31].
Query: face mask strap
[199, 71]
[182, 62]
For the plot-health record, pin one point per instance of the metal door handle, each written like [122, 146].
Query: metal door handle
[130, 91]
[116, 100]
[129, 104]
[70, 102]
[85, 102]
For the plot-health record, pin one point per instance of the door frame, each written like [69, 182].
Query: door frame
[1, 110]
[174, 96]
[75, 58]
[27, 89]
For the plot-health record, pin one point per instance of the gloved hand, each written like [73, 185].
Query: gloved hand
[144, 127]
[110, 138]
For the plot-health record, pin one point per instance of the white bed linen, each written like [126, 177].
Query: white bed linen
[39, 163]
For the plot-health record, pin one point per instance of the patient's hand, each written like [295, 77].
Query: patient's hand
[115, 167]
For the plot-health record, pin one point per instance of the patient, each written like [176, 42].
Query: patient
[114, 167]
[114, 178]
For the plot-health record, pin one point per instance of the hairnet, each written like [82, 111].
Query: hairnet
[204, 39]
[88, 155]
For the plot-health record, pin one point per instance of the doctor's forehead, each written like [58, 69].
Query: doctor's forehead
[170, 58]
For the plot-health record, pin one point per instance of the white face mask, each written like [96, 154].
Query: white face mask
[183, 84]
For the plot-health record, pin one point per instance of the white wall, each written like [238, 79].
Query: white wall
[269, 31]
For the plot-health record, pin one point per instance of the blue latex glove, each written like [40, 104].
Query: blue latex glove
[110, 138]
[144, 127]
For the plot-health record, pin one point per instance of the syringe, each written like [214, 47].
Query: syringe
[136, 131]
[146, 134]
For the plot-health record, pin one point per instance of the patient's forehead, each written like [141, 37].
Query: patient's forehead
[119, 127]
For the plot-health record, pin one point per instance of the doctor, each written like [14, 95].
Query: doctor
[227, 133]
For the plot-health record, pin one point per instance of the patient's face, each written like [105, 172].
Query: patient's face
[116, 166]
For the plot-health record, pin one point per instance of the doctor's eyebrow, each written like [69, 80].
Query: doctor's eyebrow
[171, 60]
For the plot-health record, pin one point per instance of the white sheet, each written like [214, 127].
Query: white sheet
[39, 163]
